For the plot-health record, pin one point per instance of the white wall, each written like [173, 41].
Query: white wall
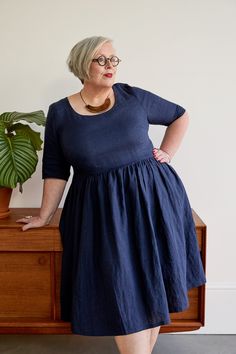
[182, 50]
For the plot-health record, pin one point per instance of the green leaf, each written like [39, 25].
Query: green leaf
[37, 117]
[2, 126]
[25, 131]
[18, 160]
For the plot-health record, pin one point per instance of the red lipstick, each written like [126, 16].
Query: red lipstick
[108, 75]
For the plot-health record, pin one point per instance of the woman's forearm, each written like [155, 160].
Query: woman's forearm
[53, 189]
[174, 134]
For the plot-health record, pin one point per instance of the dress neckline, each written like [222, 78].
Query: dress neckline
[98, 114]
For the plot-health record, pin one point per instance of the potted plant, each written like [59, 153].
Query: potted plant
[19, 144]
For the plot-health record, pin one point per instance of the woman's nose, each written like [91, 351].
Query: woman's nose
[108, 63]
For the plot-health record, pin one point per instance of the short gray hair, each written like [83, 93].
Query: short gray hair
[79, 59]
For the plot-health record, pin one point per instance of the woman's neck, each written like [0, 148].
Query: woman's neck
[95, 94]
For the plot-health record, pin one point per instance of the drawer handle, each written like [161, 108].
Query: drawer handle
[42, 260]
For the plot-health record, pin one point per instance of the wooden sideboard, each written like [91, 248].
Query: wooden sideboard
[30, 264]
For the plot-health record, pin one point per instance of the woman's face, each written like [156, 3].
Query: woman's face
[98, 73]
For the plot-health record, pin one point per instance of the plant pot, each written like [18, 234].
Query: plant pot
[5, 197]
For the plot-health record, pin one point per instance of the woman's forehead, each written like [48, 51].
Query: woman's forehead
[107, 49]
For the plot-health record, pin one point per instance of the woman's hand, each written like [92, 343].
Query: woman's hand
[161, 155]
[32, 222]
[53, 189]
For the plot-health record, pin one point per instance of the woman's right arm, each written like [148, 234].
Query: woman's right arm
[53, 189]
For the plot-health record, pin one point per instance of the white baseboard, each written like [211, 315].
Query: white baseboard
[220, 309]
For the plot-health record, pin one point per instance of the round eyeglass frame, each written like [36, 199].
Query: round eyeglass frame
[106, 59]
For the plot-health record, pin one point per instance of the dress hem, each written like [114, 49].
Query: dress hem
[157, 324]
[76, 330]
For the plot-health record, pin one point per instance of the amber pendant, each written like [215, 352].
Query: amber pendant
[96, 109]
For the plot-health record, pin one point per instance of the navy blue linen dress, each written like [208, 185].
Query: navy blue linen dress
[130, 251]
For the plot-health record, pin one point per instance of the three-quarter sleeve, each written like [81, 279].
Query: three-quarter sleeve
[159, 110]
[54, 163]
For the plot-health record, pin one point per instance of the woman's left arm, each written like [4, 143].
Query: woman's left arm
[172, 138]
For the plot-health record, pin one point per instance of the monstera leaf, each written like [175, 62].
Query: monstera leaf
[18, 147]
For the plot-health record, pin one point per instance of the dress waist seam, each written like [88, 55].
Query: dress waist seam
[101, 170]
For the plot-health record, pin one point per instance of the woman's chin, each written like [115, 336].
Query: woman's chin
[107, 83]
[103, 83]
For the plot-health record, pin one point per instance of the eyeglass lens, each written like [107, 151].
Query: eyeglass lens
[102, 60]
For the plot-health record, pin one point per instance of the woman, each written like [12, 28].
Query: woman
[130, 251]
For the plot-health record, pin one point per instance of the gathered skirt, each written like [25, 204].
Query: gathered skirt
[130, 250]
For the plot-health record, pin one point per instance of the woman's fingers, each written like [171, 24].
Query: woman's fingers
[160, 155]
[27, 219]
[31, 222]
[30, 225]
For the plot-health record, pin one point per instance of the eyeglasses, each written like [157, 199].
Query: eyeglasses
[102, 60]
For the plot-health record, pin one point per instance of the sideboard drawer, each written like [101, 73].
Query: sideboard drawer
[26, 284]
